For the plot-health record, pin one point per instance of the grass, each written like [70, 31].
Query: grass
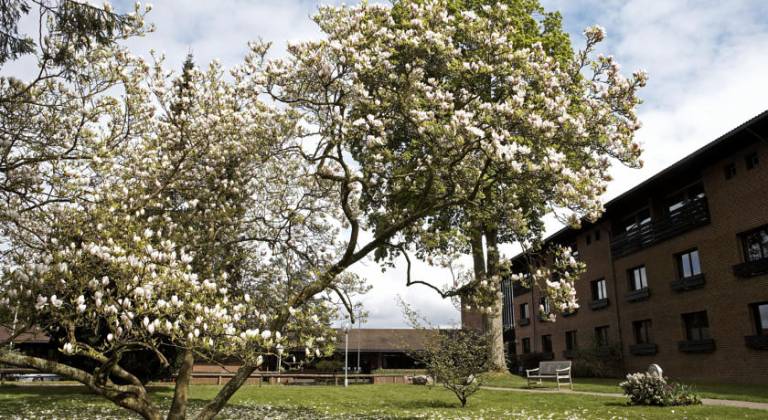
[360, 402]
[754, 393]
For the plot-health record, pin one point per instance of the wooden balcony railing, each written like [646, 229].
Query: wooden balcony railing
[690, 216]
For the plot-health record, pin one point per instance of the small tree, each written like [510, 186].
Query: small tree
[457, 358]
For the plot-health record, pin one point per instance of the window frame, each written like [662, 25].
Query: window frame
[745, 248]
[525, 312]
[633, 280]
[525, 343]
[571, 340]
[641, 331]
[596, 289]
[602, 338]
[692, 324]
[752, 160]
[546, 343]
[730, 170]
[757, 317]
[681, 264]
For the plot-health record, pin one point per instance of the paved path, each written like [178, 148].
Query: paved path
[705, 401]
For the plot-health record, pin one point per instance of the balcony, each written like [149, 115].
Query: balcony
[638, 295]
[757, 342]
[569, 313]
[751, 268]
[524, 321]
[690, 216]
[599, 304]
[688, 283]
[644, 349]
[697, 346]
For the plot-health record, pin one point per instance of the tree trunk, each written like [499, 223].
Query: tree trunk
[213, 407]
[132, 397]
[493, 322]
[181, 392]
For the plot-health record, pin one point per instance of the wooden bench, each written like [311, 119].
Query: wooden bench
[551, 370]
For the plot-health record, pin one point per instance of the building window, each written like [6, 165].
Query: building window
[599, 290]
[689, 264]
[601, 336]
[637, 220]
[526, 345]
[696, 326]
[760, 314]
[677, 201]
[524, 313]
[756, 244]
[637, 278]
[570, 340]
[752, 160]
[546, 343]
[642, 331]
[730, 170]
[574, 250]
[544, 304]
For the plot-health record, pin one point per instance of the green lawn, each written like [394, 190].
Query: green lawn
[755, 393]
[359, 402]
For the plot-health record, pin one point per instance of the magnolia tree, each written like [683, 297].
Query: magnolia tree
[201, 221]
[169, 218]
[480, 100]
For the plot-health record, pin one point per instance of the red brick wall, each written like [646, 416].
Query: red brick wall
[735, 206]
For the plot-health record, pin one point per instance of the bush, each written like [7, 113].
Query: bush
[597, 361]
[456, 359]
[329, 365]
[648, 389]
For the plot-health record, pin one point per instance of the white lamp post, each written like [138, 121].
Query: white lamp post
[346, 354]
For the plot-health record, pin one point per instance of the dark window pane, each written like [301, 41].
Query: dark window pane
[730, 170]
[546, 343]
[752, 161]
[696, 325]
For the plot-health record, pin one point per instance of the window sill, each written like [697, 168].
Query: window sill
[523, 322]
[697, 346]
[757, 342]
[599, 304]
[567, 314]
[751, 268]
[638, 295]
[689, 283]
[645, 349]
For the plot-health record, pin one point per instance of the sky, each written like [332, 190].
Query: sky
[706, 60]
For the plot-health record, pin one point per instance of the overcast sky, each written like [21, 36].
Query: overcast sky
[707, 62]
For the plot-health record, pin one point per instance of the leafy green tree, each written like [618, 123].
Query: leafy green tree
[584, 127]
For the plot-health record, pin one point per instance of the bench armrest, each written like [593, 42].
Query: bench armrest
[531, 370]
[564, 369]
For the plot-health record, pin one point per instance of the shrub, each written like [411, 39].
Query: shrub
[648, 389]
[329, 365]
[456, 359]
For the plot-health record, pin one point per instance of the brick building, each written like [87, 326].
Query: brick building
[677, 271]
